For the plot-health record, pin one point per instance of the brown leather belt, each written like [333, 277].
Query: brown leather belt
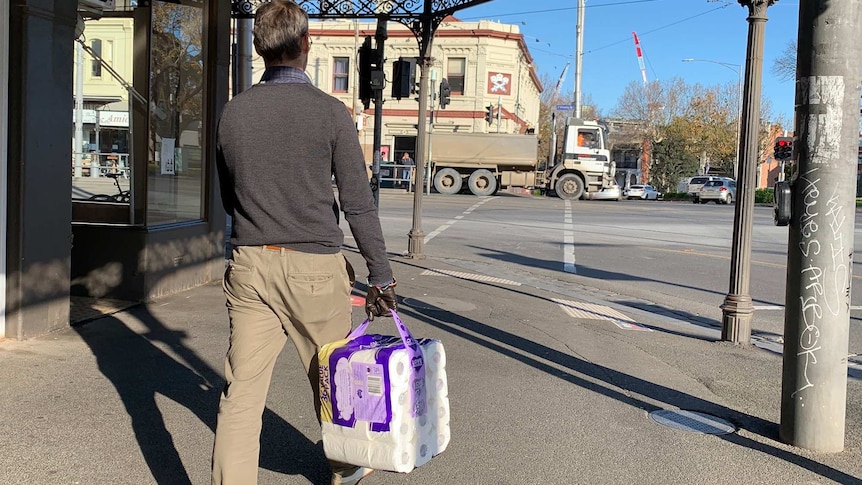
[276, 248]
[351, 274]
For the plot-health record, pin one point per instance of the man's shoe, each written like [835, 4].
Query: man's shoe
[351, 476]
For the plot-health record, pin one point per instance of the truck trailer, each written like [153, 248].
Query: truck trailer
[484, 162]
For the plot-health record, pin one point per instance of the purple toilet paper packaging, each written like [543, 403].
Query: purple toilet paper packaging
[384, 400]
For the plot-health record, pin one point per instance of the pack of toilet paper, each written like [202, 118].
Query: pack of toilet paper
[384, 400]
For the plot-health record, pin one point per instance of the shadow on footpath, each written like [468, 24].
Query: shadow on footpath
[681, 315]
[139, 370]
[588, 272]
[581, 373]
[601, 316]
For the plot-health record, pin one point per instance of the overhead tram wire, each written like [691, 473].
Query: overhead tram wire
[627, 39]
[570, 56]
[614, 4]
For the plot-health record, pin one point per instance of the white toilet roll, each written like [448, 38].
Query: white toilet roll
[435, 355]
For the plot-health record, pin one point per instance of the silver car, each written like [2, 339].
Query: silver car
[721, 191]
[696, 183]
[608, 193]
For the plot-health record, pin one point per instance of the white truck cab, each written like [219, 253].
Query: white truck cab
[585, 164]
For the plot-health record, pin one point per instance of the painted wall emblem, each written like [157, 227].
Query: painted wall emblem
[499, 83]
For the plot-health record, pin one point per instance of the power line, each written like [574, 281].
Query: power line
[659, 28]
[614, 4]
[570, 56]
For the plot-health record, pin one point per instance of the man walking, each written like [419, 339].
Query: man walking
[279, 145]
[407, 162]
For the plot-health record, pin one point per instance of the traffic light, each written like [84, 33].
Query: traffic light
[402, 78]
[445, 92]
[366, 59]
[489, 114]
[783, 148]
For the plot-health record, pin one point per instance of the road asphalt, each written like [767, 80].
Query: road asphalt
[549, 384]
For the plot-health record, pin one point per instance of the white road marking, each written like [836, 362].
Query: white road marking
[569, 241]
[449, 223]
[592, 311]
[469, 276]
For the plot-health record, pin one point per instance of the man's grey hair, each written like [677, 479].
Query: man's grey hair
[279, 26]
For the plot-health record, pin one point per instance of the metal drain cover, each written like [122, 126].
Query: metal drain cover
[692, 421]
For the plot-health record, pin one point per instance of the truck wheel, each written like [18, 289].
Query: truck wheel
[447, 181]
[482, 182]
[569, 187]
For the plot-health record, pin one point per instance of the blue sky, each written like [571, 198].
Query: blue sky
[669, 31]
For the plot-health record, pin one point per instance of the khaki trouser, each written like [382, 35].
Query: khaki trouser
[272, 295]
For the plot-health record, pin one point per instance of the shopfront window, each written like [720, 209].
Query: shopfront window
[101, 161]
[175, 169]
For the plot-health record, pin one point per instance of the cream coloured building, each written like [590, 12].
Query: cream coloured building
[105, 99]
[485, 62]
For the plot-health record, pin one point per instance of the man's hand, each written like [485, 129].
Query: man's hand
[380, 300]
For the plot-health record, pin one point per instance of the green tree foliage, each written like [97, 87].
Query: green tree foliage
[711, 120]
[673, 157]
[702, 121]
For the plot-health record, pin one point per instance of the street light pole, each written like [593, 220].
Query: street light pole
[738, 70]
[738, 309]
[579, 57]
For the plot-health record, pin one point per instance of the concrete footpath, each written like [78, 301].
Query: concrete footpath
[547, 385]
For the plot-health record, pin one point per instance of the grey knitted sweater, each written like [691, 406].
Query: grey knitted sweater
[278, 147]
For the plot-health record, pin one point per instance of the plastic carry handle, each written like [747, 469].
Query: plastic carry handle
[417, 362]
[406, 336]
[360, 330]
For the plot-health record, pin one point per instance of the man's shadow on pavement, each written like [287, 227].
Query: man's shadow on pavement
[605, 381]
[139, 370]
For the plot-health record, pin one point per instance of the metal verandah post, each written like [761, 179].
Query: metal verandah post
[820, 242]
[738, 309]
[416, 241]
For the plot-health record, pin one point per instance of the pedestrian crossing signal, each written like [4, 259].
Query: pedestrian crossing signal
[445, 93]
[783, 148]
[366, 60]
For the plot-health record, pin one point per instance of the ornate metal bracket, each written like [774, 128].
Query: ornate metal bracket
[422, 17]
[757, 8]
[369, 9]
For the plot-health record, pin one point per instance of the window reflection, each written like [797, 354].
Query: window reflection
[175, 169]
[101, 161]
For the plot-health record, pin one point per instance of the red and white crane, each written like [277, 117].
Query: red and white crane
[640, 55]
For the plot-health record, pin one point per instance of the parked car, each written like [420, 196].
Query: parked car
[696, 183]
[645, 192]
[608, 193]
[721, 191]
